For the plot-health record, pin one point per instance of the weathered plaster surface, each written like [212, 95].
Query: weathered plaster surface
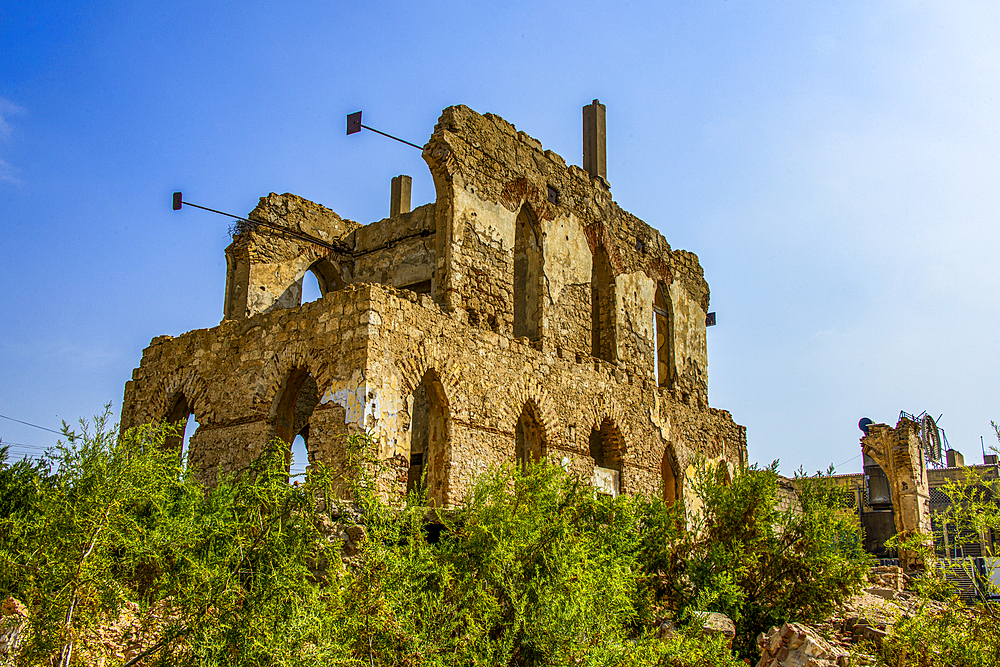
[437, 365]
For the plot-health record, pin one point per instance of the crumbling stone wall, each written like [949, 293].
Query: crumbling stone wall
[436, 372]
[486, 173]
[900, 453]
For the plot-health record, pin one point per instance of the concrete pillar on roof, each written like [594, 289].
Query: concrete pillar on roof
[595, 154]
[400, 198]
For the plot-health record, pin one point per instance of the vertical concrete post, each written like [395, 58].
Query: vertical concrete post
[400, 202]
[595, 154]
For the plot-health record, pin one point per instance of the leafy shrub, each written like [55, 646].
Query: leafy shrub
[746, 557]
[533, 568]
[955, 637]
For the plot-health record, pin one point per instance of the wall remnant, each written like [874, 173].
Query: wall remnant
[523, 314]
[900, 453]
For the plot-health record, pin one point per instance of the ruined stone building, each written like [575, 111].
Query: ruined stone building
[900, 494]
[523, 314]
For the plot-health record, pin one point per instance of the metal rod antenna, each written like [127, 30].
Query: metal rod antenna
[354, 126]
[178, 202]
[392, 137]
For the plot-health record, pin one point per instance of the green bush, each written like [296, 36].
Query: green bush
[958, 636]
[744, 556]
[533, 568]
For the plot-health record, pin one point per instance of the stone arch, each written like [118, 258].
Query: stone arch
[529, 437]
[606, 447]
[529, 391]
[327, 274]
[607, 408]
[293, 407]
[426, 357]
[429, 438]
[194, 389]
[672, 476]
[274, 374]
[528, 273]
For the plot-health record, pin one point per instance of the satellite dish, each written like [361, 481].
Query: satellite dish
[864, 424]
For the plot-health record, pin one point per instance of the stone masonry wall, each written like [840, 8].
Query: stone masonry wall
[435, 372]
[485, 173]
[369, 347]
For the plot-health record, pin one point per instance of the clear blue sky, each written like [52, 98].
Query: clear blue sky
[835, 165]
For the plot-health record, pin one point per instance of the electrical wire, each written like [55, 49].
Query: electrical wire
[32, 425]
[849, 460]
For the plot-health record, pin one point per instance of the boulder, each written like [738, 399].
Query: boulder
[798, 645]
[716, 623]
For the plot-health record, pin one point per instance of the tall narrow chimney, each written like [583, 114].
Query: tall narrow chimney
[595, 154]
[400, 201]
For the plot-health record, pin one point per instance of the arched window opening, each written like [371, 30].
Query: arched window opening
[300, 456]
[182, 415]
[527, 277]
[428, 437]
[722, 475]
[321, 278]
[669, 472]
[528, 444]
[602, 307]
[179, 414]
[663, 324]
[190, 429]
[606, 449]
[295, 406]
[310, 288]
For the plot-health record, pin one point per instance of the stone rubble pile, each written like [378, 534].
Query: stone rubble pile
[13, 617]
[797, 645]
[888, 576]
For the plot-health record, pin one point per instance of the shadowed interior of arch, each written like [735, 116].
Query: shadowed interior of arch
[528, 437]
[298, 399]
[428, 433]
[670, 477]
[527, 277]
[606, 447]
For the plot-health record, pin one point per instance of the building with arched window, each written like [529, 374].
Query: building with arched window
[522, 315]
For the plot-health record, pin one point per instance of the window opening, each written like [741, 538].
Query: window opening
[310, 287]
[300, 457]
[423, 287]
[190, 429]
[295, 406]
[606, 449]
[602, 310]
[428, 437]
[663, 325]
[527, 277]
[528, 446]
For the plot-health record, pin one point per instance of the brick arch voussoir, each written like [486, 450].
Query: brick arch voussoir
[608, 408]
[597, 234]
[281, 365]
[184, 381]
[521, 192]
[523, 393]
